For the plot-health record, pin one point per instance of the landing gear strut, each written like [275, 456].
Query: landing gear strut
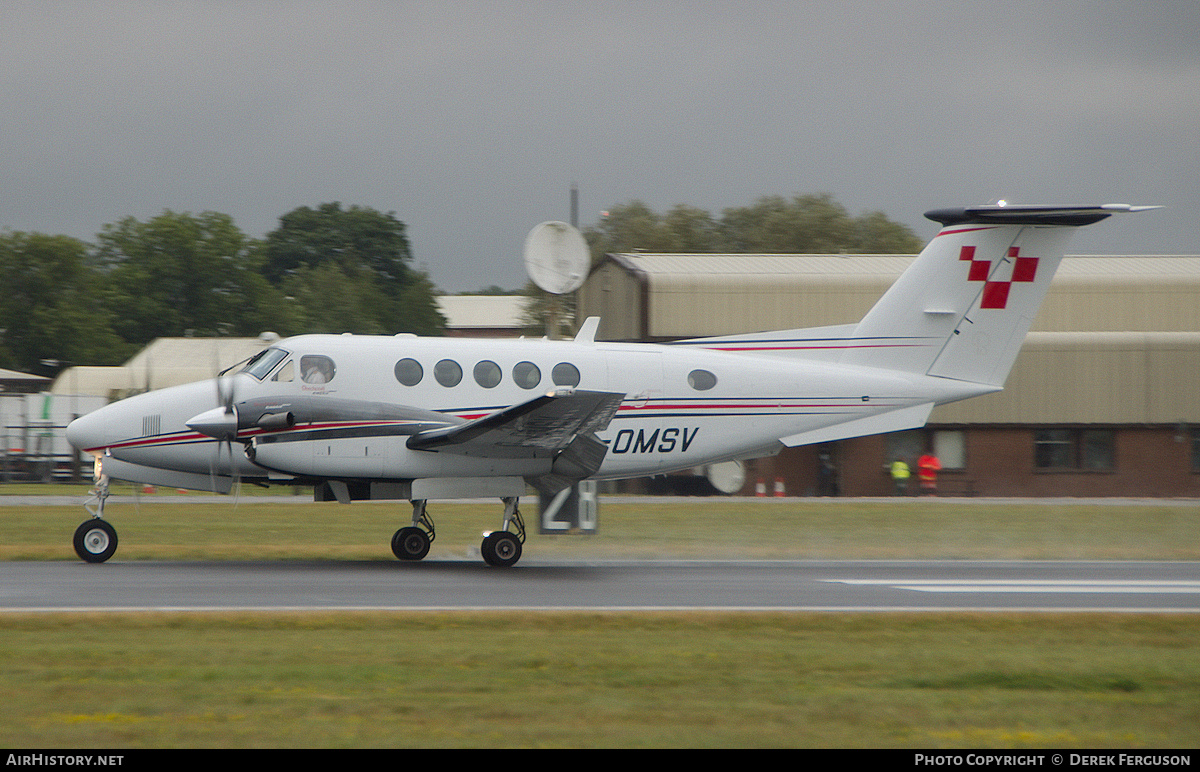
[95, 539]
[412, 542]
[503, 548]
[500, 548]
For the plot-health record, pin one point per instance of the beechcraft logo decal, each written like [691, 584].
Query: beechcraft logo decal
[995, 291]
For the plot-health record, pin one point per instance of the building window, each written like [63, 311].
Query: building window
[950, 446]
[1196, 450]
[1088, 450]
[906, 446]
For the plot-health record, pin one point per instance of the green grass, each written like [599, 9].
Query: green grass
[554, 679]
[600, 680]
[225, 528]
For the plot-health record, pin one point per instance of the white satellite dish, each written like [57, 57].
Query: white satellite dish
[728, 476]
[556, 257]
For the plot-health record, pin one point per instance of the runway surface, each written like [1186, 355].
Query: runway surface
[647, 585]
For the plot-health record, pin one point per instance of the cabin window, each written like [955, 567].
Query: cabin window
[701, 380]
[409, 372]
[447, 372]
[487, 374]
[527, 375]
[315, 368]
[565, 374]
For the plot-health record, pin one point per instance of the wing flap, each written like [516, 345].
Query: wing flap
[541, 427]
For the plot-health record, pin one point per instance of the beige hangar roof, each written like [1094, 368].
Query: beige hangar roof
[1117, 340]
[650, 296]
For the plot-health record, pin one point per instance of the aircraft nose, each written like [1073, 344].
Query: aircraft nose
[86, 433]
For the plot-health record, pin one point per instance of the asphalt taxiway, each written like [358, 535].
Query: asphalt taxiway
[859, 586]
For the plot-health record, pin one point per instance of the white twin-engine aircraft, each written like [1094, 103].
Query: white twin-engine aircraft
[402, 417]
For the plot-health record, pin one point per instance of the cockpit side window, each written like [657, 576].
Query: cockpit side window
[317, 368]
[261, 364]
[286, 373]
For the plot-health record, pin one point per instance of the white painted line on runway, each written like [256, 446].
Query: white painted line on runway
[1115, 586]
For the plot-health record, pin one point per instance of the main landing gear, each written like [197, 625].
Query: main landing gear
[95, 539]
[412, 542]
[499, 548]
[503, 548]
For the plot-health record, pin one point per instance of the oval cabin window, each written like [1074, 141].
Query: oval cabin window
[565, 374]
[526, 375]
[701, 380]
[487, 374]
[409, 372]
[447, 372]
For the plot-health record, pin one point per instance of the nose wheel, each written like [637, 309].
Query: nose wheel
[95, 539]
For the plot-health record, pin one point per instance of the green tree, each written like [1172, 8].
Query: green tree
[875, 234]
[180, 274]
[811, 224]
[50, 307]
[349, 270]
[814, 223]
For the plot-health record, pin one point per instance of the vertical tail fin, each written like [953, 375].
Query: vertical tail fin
[962, 309]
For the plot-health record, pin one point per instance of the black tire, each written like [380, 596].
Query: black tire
[410, 543]
[501, 549]
[95, 541]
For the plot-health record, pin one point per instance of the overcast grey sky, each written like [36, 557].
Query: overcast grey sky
[471, 120]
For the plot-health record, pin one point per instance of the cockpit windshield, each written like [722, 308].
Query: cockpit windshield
[263, 362]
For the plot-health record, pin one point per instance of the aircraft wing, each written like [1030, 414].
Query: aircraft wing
[541, 427]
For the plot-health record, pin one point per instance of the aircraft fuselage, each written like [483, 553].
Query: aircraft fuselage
[681, 407]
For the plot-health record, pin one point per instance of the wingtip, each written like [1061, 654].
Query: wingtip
[1128, 208]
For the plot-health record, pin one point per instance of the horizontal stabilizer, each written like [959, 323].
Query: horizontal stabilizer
[895, 421]
[1006, 214]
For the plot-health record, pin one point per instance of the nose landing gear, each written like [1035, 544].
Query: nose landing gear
[95, 539]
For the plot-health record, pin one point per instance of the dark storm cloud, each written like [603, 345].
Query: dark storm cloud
[471, 120]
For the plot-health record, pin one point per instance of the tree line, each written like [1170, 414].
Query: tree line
[802, 224]
[329, 269]
[324, 269]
